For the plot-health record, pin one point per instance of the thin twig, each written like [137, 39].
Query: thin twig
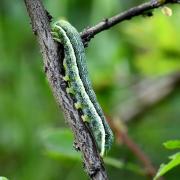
[122, 136]
[89, 33]
[52, 58]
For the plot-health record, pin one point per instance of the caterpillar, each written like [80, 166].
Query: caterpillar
[79, 85]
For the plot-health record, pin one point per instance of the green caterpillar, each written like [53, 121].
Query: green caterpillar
[79, 85]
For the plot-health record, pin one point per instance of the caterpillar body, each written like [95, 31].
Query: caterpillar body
[79, 85]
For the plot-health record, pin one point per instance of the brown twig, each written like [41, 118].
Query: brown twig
[151, 93]
[122, 136]
[52, 57]
[89, 33]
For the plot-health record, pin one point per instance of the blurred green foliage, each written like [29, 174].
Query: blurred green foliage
[133, 50]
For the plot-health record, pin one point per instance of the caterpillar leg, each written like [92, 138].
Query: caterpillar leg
[66, 78]
[56, 36]
[70, 91]
[64, 65]
[78, 105]
[85, 118]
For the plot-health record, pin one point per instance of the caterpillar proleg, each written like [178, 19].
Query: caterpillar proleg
[76, 74]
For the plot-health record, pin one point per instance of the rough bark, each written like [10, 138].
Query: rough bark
[52, 58]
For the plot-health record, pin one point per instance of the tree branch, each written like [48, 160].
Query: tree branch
[89, 33]
[52, 58]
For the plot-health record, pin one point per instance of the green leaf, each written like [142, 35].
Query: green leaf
[3, 178]
[164, 168]
[114, 162]
[172, 144]
[59, 144]
[119, 164]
